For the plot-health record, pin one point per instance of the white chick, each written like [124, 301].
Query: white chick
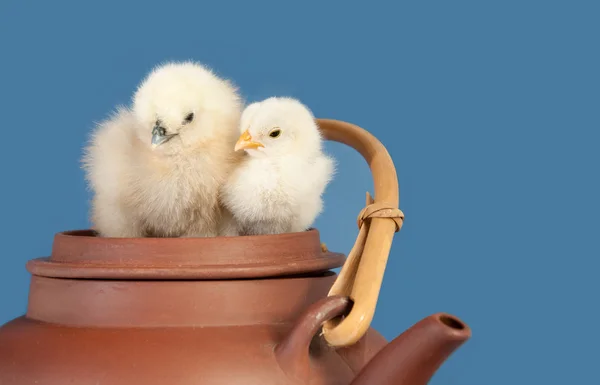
[278, 186]
[156, 170]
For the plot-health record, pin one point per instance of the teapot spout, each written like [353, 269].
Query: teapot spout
[414, 356]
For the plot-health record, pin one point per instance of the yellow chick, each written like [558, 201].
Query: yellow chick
[278, 186]
[155, 169]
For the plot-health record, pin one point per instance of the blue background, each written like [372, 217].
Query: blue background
[489, 109]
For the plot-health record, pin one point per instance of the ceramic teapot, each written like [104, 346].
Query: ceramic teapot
[251, 310]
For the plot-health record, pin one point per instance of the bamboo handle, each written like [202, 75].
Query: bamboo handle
[361, 276]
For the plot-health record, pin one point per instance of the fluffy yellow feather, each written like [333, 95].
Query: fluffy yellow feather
[155, 169]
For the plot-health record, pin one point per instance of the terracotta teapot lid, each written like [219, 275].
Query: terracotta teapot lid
[83, 254]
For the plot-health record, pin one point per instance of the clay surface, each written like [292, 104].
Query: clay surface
[103, 311]
[168, 311]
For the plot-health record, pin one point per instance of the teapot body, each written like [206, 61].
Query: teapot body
[150, 331]
[211, 311]
[35, 352]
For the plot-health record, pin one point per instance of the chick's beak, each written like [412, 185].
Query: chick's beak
[245, 142]
[159, 136]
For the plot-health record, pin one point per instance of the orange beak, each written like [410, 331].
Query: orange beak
[245, 142]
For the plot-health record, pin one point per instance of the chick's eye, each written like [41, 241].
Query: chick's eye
[189, 117]
[275, 133]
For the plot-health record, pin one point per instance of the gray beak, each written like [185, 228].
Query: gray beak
[159, 136]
